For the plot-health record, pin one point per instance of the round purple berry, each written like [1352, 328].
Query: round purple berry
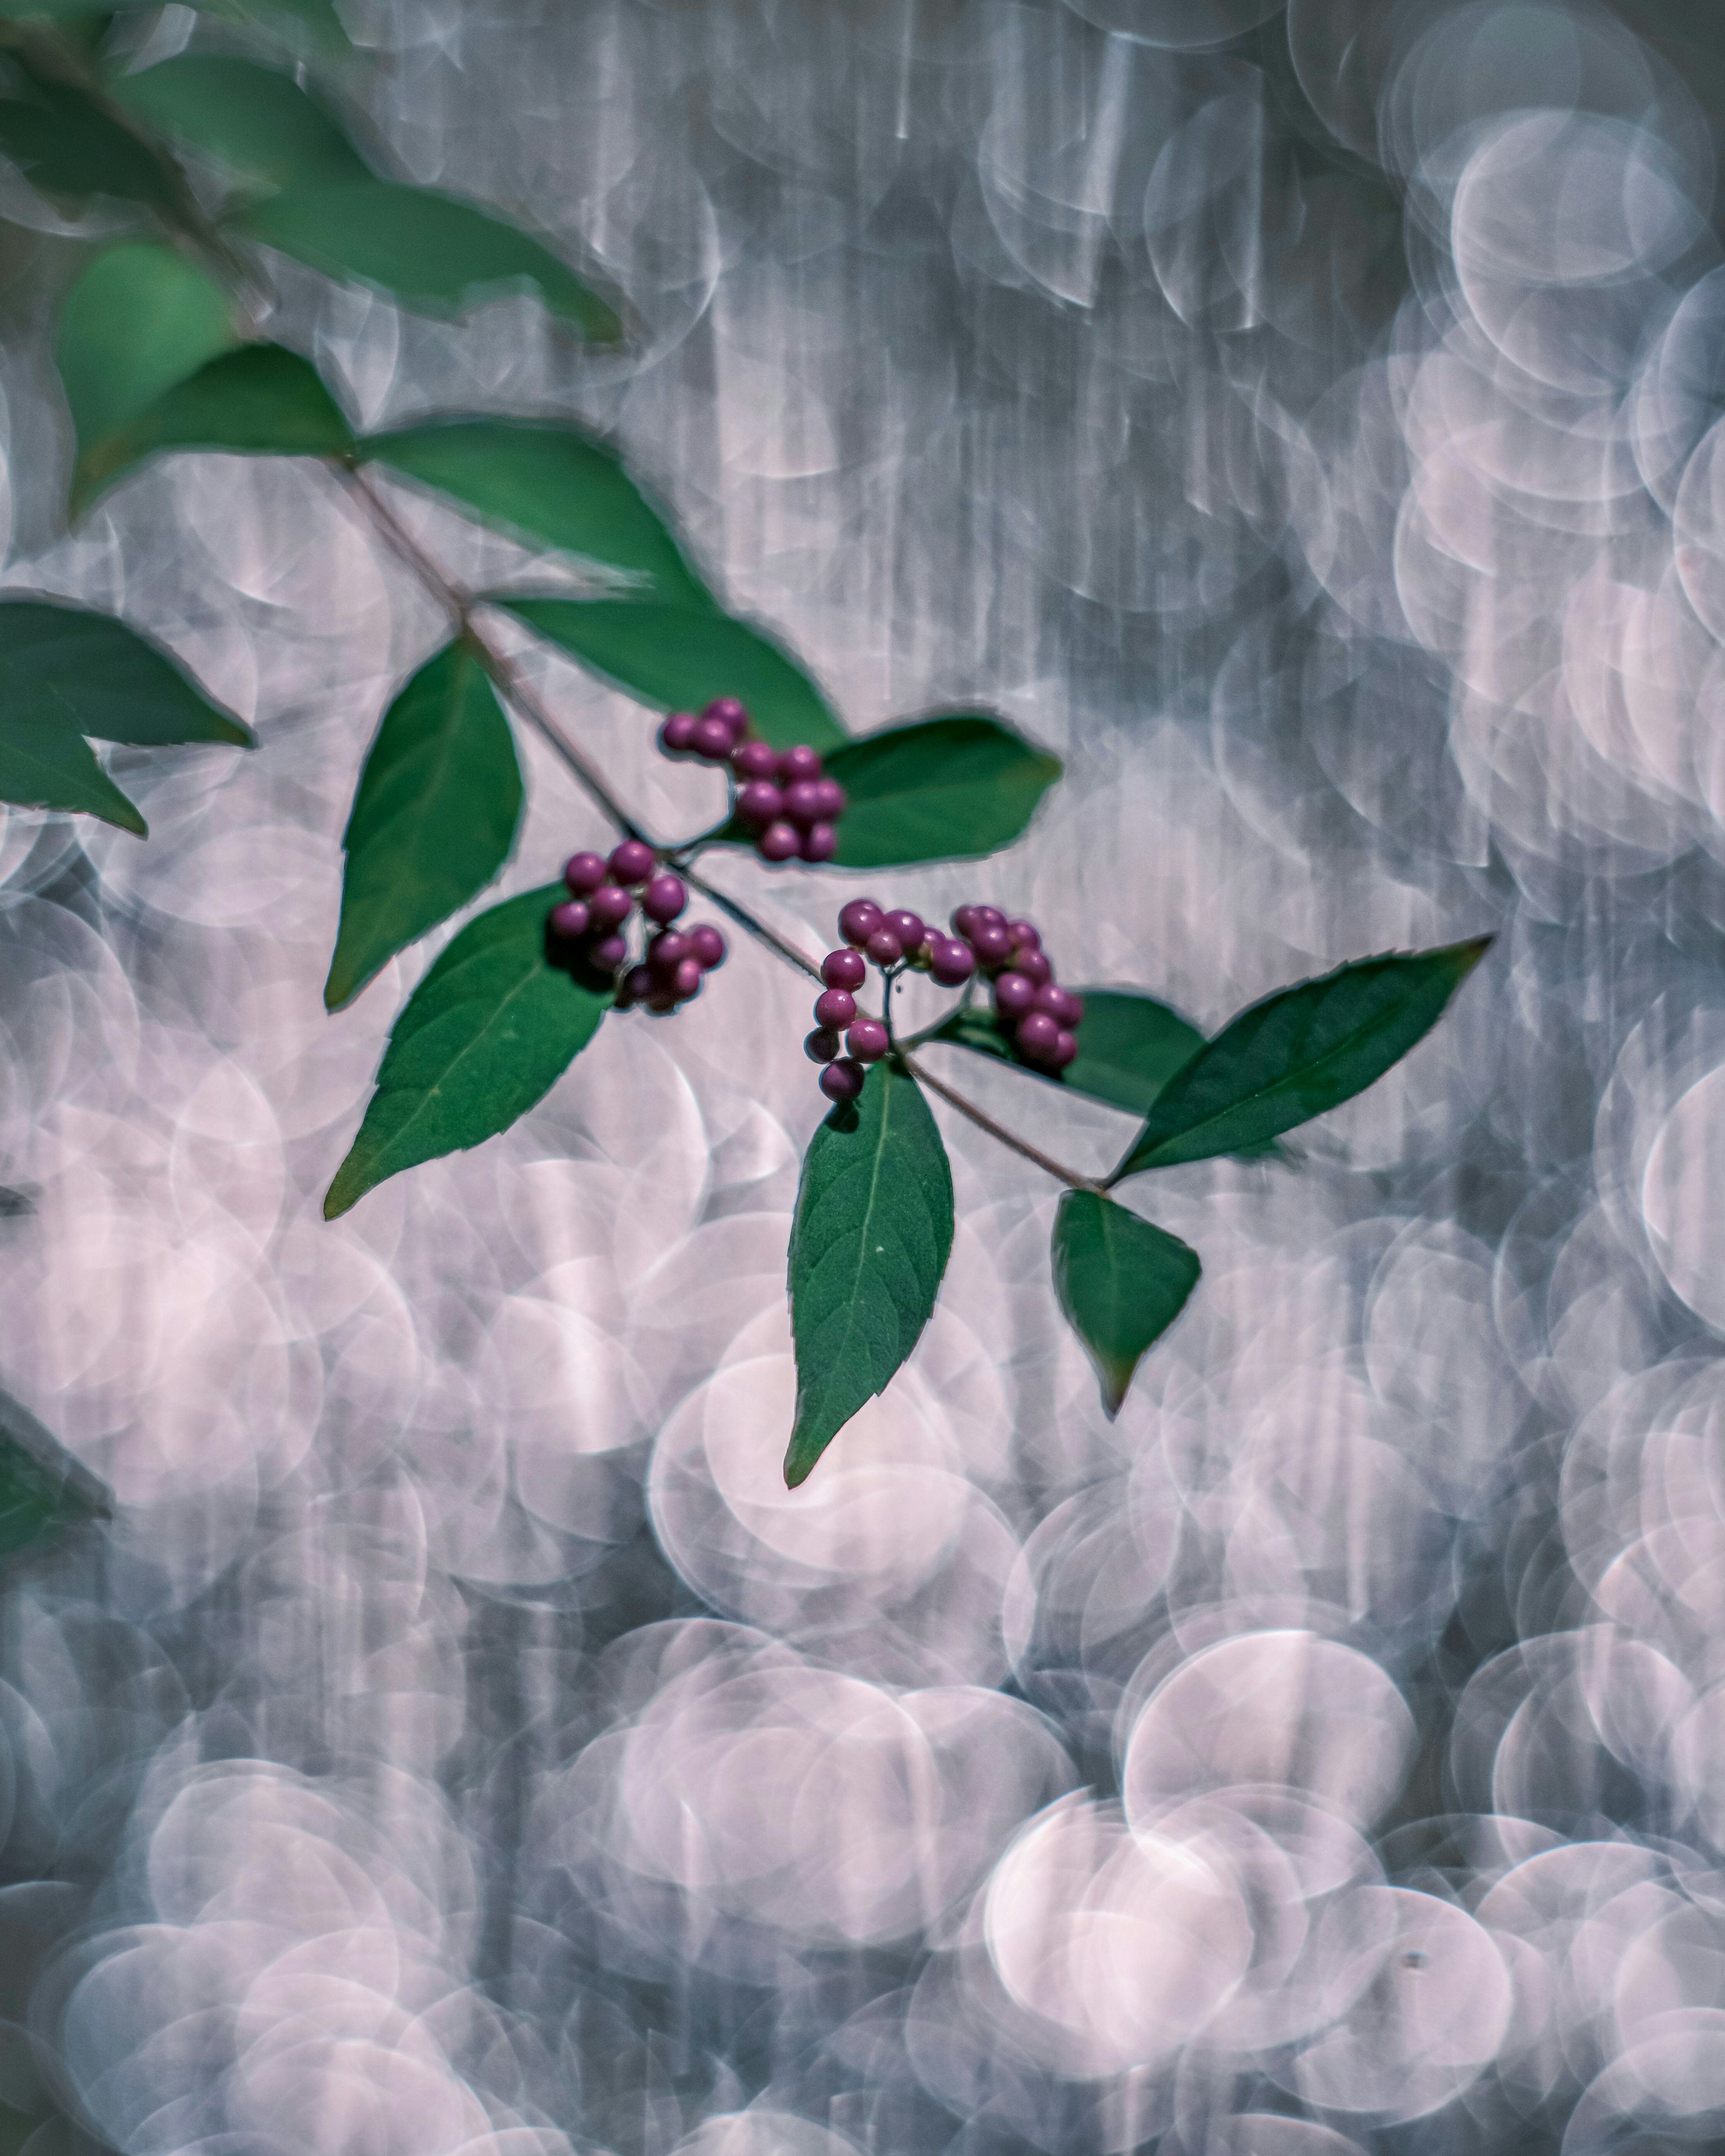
[866, 1041]
[661, 1003]
[1013, 995]
[609, 953]
[759, 802]
[779, 841]
[989, 916]
[990, 943]
[664, 898]
[570, 919]
[963, 920]
[711, 740]
[667, 952]
[797, 763]
[1062, 1006]
[686, 981]
[1033, 964]
[583, 873]
[820, 843]
[631, 861]
[842, 1081]
[1065, 1047]
[676, 736]
[906, 925]
[1024, 935]
[730, 714]
[834, 1008]
[884, 947]
[754, 759]
[1037, 1034]
[636, 985]
[802, 801]
[858, 919]
[707, 945]
[844, 969]
[608, 906]
[950, 961]
[832, 799]
[821, 1046]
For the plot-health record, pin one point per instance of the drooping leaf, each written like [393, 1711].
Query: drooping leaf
[44, 1488]
[86, 673]
[551, 485]
[946, 788]
[1121, 1282]
[46, 764]
[870, 1241]
[433, 252]
[256, 122]
[63, 142]
[486, 1035]
[433, 818]
[678, 660]
[1298, 1053]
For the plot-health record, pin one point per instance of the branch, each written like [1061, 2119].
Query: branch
[1006, 1138]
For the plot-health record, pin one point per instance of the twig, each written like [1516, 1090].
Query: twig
[986, 1122]
[745, 920]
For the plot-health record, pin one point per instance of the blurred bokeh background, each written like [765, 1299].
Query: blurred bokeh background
[1305, 420]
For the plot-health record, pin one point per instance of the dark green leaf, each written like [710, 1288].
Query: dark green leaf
[551, 485]
[433, 252]
[65, 144]
[937, 789]
[87, 673]
[1121, 1283]
[486, 1035]
[140, 319]
[260, 401]
[44, 764]
[1298, 1053]
[255, 121]
[433, 818]
[870, 1242]
[44, 1488]
[677, 660]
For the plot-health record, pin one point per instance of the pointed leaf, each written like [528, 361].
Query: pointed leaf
[65, 143]
[1121, 1282]
[945, 788]
[46, 764]
[678, 660]
[433, 818]
[486, 1035]
[431, 251]
[44, 1488]
[871, 1239]
[139, 319]
[256, 122]
[87, 673]
[1299, 1053]
[550, 485]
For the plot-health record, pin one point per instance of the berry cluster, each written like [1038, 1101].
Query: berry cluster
[1041, 1016]
[588, 928]
[781, 794]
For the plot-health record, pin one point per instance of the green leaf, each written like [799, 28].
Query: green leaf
[257, 121]
[433, 818]
[550, 485]
[678, 660]
[871, 1239]
[44, 764]
[86, 673]
[1121, 1282]
[948, 789]
[65, 143]
[431, 251]
[486, 1033]
[44, 1488]
[1299, 1053]
[140, 319]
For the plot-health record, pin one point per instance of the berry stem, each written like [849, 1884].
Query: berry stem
[747, 920]
[987, 1122]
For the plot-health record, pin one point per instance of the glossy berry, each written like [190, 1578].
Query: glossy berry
[676, 736]
[906, 925]
[1065, 1049]
[730, 714]
[754, 759]
[844, 969]
[759, 802]
[834, 1008]
[990, 916]
[832, 799]
[583, 873]
[1024, 935]
[569, 920]
[779, 841]
[866, 1041]
[664, 898]
[609, 953]
[686, 981]
[820, 843]
[1032, 964]
[821, 1046]
[859, 919]
[1062, 1006]
[707, 945]
[1037, 1034]
[609, 905]
[884, 947]
[842, 1081]
[711, 739]
[802, 801]
[799, 762]
[667, 952]
[950, 961]
[636, 985]
[631, 861]
[990, 943]
[1013, 995]
[963, 920]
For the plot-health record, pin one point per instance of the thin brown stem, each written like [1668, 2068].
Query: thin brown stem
[745, 920]
[998, 1130]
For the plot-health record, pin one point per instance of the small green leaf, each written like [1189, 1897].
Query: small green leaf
[871, 1239]
[259, 401]
[433, 818]
[86, 673]
[1298, 1053]
[677, 660]
[1121, 1283]
[44, 1488]
[257, 121]
[486, 1035]
[433, 252]
[551, 485]
[948, 789]
[65, 143]
[44, 764]
[139, 319]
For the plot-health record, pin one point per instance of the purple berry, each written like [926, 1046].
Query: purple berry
[664, 898]
[802, 801]
[707, 945]
[950, 961]
[906, 925]
[711, 739]
[1037, 1034]
[988, 916]
[820, 842]
[1064, 1049]
[797, 763]
[821, 1046]
[667, 952]
[779, 842]
[990, 943]
[1062, 1006]
[570, 919]
[582, 873]
[859, 919]
[760, 802]
[1033, 965]
[631, 861]
[1072, 1016]
[686, 981]
[609, 953]
[963, 920]
[844, 969]
[842, 1081]
[730, 714]
[834, 1008]
[1025, 933]
[867, 1040]
[754, 759]
[1013, 995]
[676, 736]
[884, 947]
[608, 906]
[636, 985]
[832, 799]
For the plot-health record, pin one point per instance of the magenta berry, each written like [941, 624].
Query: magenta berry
[667, 951]
[797, 763]
[686, 981]
[676, 736]
[569, 920]
[842, 1081]
[631, 861]
[1062, 1006]
[906, 925]
[1033, 964]
[583, 873]
[859, 919]
[802, 801]
[609, 905]
[636, 985]
[711, 740]
[730, 714]
[963, 920]
[989, 916]
[950, 961]
[1065, 1047]
[834, 1008]
[991, 944]
[1037, 1034]
[664, 898]
[884, 947]
[779, 841]
[832, 799]
[1024, 935]
[707, 945]
[866, 1041]
[821, 1046]
[754, 759]
[759, 802]
[844, 969]
[1013, 995]
[609, 953]
[820, 843]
